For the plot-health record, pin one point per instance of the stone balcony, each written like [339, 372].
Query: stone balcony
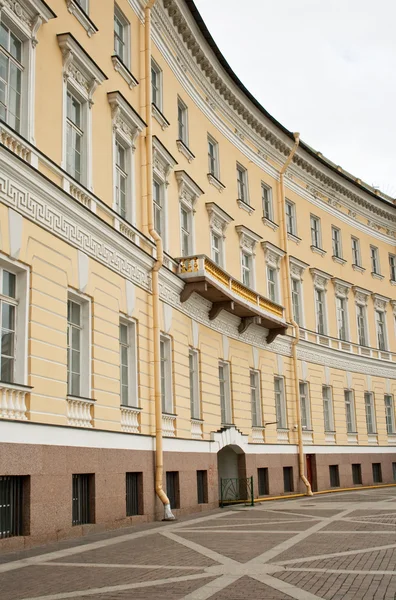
[203, 276]
[13, 401]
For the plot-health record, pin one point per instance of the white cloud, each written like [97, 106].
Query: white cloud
[326, 69]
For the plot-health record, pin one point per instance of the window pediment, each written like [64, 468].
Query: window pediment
[273, 254]
[27, 15]
[320, 278]
[380, 302]
[218, 218]
[189, 191]
[361, 295]
[247, 239]
[126, 120]
[163, 161]
[297, 267]
[341, 287]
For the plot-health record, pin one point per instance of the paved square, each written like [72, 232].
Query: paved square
[331, 547]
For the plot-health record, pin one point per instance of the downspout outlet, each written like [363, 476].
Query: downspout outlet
[168, 514]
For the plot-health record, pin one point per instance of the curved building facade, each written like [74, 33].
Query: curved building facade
[188, 291]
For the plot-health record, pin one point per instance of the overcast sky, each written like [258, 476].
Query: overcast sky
[325, 68]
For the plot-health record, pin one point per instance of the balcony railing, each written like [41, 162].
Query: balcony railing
[130, 419]
[13, 401]
[80, 411]
[168, 425]
[258, 435]
[196, 429]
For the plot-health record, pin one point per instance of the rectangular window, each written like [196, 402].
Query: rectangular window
[83, 499]
[83, 4]
[350, 411]
[213, 157]
[242, 184]
[362, 325]
[305, 408]
[280, 403]
[8, 310]
[394, 471]
[172, 488]
[288, 484]
[121, 36]
[381, 329]
[375, 266]
[389, 414]
[128, 364]
[334, 476]
[356, 259]
[11, 73]
[315, 232]
[134, 494]
[121, 184]
[247, 260]
[202, 487]
[291, 218]
[320, 312]
[159, 212]
[336, 237]
[255, 398]
[272, 284]
[328, 408]
[12, 502]
[193, 357]
[377, 473]
[74, 343]
[186, 230]
[266, 197]
[75, 137]
[370, 412]
[357, 474]
[392, 266]
[166, 375]
[296, 299]
[342, 321]
[156, 85]
[182, 121]
[225, 393]
[217, 249]
[263, 483]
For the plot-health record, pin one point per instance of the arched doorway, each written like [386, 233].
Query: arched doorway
[231, 466]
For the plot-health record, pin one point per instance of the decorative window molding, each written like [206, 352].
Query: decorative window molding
[157, 88]
[375, 263]
[273, 260]
[267, 203]
[297, 270]
[189, 192]
[291, 224]
[350, 411]
[280, 403]
[129, 394]
[361, 301]
[247, 243]
[305, 405]
[341, 287]
[361, 295]
[79, 368]
[316, 233]
[82, 17]
[159, 117]
[247, 239]
[380, 302]
[122, 36]
[225, 393]
[123, 70]
[320, 280]
[126, 121]
[216, 183]
[341, 291]
[166, 374]
[255, 398]
[218, 223]
[184, 149]
[214, 162]
[163, 161]
[328, 408]
[195, 392]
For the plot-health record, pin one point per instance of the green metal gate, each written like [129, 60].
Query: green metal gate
[236, 491]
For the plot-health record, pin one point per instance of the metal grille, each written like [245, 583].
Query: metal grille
[334, 476]
[236, 491]
[288, 479]
[202, 487]
[133, 494]
[263, 487]
[81, 505]
[11, 502]
[172, 488]
[377, 473]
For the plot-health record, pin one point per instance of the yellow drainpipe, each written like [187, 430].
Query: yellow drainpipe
[159, 455]
[289, 308]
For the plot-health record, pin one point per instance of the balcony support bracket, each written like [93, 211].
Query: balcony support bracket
[217, 307]
[273, 333]
[246, 322]
[189, 288]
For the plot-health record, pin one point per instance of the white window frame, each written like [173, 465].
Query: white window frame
[328, 408]
[85, 344]
[297, 270]
[81, 76]
[189, 192]
[349, 399]
[132, 363]
[320, 311]
[247, 243]
[272, 283]
[217, 251]
[392, 267]
[375, 261]
[316, 232]
[247, 270]
[321, 279]
[336, 241]
[305, 406]
[186, 232]
[369, 407]
[83, 4]
[182, 121]
[255, 397]
[356, 254]
[215, 145]
[341, 289]
[218, 223]
[290, 216]
[225, 384]
[166, 369]
[163, 164]
[242, 184]
[267, 201]
[380, 323]
[273, 259]
[21, 303]
[280, 402]
[390, 414]
[126, 27]
[195, 392]
[159, 85]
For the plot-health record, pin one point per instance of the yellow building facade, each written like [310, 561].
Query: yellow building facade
[188, 291]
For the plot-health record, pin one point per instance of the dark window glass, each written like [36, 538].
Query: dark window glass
[377, 473]
[334, 476]
[357, 474]
[82, 509]
[202, 487]
[263, 486]
[11, 506]
[134, 494]
[172, 488]
[288, 479]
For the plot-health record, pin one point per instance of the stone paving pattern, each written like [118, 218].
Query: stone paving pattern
[331, 547]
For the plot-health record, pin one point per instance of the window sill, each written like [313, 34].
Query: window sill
[377, 276]
[274, 226]
[216, 182]
[123, 70]
[245, 206]
[183, 149]
[131, 407]
[392, 281]
[80, 398]
[339, 260]
[81, 17]
[293, 238]
[358, 268]
[318, 250]
[159, 117]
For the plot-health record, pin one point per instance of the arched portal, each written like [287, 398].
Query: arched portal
[231, 462]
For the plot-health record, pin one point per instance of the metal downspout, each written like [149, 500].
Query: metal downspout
[159, 462]
[289, 308]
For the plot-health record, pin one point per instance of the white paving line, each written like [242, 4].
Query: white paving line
[119, 566]
[334, 555]
[219, 558]
[343, 571]
[268, 522]
[117, 588]
[211, 588]
[250, 531]
[286, 588]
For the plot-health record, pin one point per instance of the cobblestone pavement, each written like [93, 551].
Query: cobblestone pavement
[332, 547]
